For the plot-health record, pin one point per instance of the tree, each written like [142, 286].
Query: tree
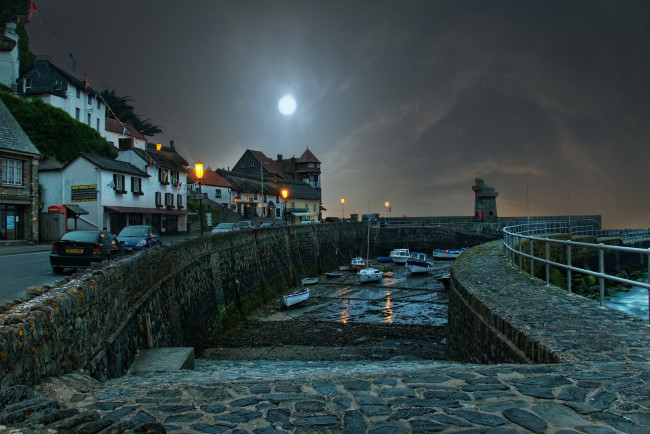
[120, 106]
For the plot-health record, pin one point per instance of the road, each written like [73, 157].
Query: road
[23, 270]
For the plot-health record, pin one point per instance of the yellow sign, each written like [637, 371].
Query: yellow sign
[84, 193]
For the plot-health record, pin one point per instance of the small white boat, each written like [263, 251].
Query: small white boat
[418, 263]
[309, 281]
[295, 297]
[447, 254]
[370, 275]
[344, 268]
[359, 263]
[400, 255]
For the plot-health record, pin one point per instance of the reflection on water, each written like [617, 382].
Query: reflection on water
[388, 316]
[345, 312]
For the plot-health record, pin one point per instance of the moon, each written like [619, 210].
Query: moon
[287, 105]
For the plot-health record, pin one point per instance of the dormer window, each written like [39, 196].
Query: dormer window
[252, 164]
[28, 83]
[57, 85]
[243, 165]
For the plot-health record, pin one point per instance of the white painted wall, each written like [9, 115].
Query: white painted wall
[115, 139]
[9, 59]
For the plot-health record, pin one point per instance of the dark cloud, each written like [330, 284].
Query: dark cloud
[401, 101]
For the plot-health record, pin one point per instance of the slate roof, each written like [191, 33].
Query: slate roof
[116, 127]
[36, 71]
[111, 164]
[250, 184]
[210, 177]
[299, 190]
[12, 136]
[307, 157]
[167, 157]
[267, 163]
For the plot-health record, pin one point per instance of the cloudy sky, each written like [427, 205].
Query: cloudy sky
[401, 101]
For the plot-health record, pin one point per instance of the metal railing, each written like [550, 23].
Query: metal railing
[514, 238]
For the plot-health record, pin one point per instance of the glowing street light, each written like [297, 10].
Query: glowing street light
[198, 170]
[284, 193]
[387, 204]
[342, 208]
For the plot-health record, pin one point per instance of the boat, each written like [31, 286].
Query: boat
[359, 263]
[385, 259]
[368, 274]
[333, 275]
[418, 263]
[344, 268]
[400, 256]
[447, 254]
[295, 297]
[309, 281]
[445, 279]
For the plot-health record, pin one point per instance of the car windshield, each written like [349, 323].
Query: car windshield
[82, 236]
[242, 224]
[134, 231]
[224, 226]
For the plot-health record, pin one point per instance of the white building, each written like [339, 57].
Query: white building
[215, 186]
[9, 56]
[116, 130]
[60, 89]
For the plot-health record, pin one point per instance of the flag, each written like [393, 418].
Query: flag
[32, 8]
[150, 162]
[111, 184]
[74, 61]
[87, 80]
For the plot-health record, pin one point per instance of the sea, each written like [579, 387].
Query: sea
[634, 301]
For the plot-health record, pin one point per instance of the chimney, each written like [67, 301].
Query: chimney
[126, 143]
[279, 157]
[171, 144]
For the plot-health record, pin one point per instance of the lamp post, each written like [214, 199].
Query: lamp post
[342, 208]
[387, 208]
[285, 193]
[198, 170]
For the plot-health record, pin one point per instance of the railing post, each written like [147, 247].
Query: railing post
[532, 261]
[601, 261]
[648, 260]
[548, 267]
[521, 246]
[568, 270]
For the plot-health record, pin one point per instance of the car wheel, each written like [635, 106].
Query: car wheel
[57, 270]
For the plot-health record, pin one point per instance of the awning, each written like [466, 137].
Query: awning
[136, 210]
[75, 209]
[301, 214]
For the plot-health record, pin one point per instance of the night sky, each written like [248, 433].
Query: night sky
[401, 101]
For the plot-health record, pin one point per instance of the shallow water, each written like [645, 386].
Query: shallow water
[634, 301]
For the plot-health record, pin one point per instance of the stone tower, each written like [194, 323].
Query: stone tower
[485, 201]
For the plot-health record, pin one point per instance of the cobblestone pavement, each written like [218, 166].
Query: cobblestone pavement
[375, 397]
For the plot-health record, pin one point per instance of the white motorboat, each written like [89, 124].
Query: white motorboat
[370, 275]
[447, 254]
[359, 263]
[400, 255]
[418, 263]
[295, 297]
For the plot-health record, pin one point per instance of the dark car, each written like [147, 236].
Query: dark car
[78, 249]
[266, 224]
[280, 223]
[138, 237]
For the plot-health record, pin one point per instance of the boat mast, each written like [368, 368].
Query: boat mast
[368, 251]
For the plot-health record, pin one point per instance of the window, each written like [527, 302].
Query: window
[78, 92]
[28, 83]
[179, 201]
[174, 176]
[217, 192]
[97, 103]
[243, 165]
[293, 204]
[77, 113]
[12, 172]
[118, 183]
[136, 185]
[158, 199]
[310, 165]
[89, 116]
[169, 200]
[163, 176]
[57, 85]
[255, 196]
[314, 208]
[90, 99]
[97, 124]
[252, 164]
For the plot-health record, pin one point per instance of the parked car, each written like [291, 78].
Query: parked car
[78, 249]
[266, 224]
[280, 223]
[138, 237]
[225, 227]
[246, 224]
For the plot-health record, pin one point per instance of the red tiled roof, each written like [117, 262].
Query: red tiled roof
[209, 178]
[116, 127]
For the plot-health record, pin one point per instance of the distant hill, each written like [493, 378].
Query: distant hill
[54, 132]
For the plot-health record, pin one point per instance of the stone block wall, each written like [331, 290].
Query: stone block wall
[188, 289]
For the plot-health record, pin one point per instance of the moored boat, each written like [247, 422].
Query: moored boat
[309, 281]
[447, 254]
[333, 275]
[344, 268]
[370, 275]
[445, 280]
[295, 297]
[359, 263]
[418, 263]
[385, 259]
[400, 256]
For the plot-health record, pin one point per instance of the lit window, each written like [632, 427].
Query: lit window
[12, 172]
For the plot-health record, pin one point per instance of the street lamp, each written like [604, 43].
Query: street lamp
[198, 170]
[387, 204]
[284, 193]
[342, 208]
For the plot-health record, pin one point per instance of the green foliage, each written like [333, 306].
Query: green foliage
[121, 107]
[54, 132]
[556, 278]
[16, 11]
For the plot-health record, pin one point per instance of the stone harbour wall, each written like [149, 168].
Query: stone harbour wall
[175, 295]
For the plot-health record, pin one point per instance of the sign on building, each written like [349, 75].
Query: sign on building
[84, 193]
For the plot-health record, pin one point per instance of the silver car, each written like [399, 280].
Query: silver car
[225, 227]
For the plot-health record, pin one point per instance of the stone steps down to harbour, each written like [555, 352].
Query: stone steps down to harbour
[600, 381]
